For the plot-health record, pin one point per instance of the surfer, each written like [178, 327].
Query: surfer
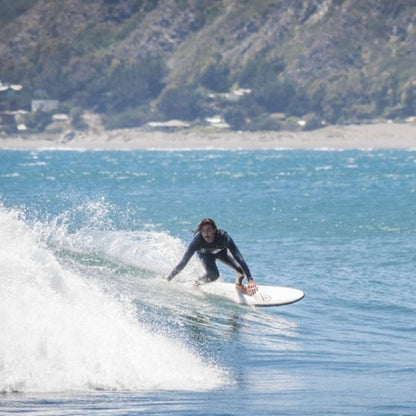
[212, 244]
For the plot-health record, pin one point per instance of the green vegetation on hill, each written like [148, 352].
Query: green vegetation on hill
[132, 62]
[10, 10]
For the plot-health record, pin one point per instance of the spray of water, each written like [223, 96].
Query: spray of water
[63, 331]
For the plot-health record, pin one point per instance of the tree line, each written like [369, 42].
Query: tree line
[133, 92]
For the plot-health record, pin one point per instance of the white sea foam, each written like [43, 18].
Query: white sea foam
[61, 331]
[155, 251]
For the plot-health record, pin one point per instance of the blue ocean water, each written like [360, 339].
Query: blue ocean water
[89, 325]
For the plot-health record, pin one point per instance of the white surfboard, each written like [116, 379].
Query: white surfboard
[265, 296]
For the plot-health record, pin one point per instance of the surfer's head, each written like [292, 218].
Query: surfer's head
[208, 229]
[207, 221]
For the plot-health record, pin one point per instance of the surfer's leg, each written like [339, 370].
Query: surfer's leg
[227, 259]
[211, 270]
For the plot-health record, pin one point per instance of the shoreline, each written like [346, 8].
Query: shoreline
[363, 137]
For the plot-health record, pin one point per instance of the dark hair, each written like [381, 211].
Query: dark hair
[206, 221]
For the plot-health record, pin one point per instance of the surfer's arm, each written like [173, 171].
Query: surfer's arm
[238, 256]
[185, 259]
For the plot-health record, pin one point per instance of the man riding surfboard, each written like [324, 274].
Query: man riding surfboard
[212, 244]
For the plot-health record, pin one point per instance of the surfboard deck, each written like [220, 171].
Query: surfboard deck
[265, 296]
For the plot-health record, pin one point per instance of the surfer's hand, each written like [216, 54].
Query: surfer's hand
[249, 290]
[169, 278]
[252, 287]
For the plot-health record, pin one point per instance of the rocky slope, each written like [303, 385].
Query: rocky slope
[338, 60]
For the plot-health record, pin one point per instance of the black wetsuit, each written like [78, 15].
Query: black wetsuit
[222, 248]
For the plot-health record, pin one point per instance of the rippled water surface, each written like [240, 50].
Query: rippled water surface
[90, 326]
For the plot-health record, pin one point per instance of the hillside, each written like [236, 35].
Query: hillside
[133, 61]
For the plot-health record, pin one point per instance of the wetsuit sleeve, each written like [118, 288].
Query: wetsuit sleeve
[237, 255]
[193, 246]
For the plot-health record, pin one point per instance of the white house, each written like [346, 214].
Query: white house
[44, 105]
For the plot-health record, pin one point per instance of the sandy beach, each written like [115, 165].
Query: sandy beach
[370, 136]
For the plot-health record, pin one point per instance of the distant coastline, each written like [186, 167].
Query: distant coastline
[369, 136]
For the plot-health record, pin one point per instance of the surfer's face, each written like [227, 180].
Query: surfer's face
[208, 233]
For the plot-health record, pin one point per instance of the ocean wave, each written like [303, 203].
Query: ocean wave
[62, 331]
